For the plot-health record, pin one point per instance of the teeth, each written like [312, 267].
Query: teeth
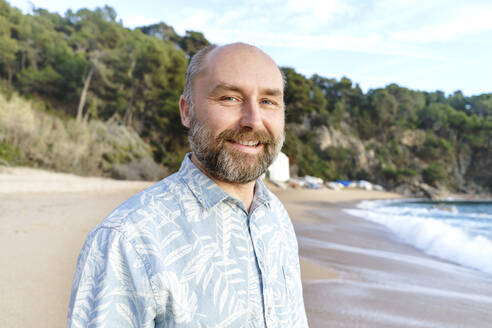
[248, 143]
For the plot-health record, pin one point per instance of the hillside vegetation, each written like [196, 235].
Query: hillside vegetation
[35, 138]
[97, 85]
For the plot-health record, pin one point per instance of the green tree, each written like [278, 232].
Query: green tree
[384, 107]
[98, 36]
[161, 31]
[434, 117]
[433, 174]
[8, 50]
[481, 104]
[193, 41]
[457, 100]
[302, 97]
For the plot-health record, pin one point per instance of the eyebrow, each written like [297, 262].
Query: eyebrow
[229, 87]
[225, 87]
[273, 92]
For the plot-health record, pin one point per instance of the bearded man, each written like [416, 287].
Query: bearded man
[209, 246]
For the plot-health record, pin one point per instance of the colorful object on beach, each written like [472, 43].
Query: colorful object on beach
[345, 183]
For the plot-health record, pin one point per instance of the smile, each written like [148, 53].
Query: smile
[250, 147]
[248, 143]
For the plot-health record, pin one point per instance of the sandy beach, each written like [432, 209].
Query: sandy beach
[376, 280]
[355, 274]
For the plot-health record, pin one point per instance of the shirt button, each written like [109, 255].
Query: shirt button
[260, 262]
[269, 310]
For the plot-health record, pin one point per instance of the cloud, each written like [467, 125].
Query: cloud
[458, 22]
[25, 6]
[380, 66]
[136, 21]
[309, 15]
[277, 15]
[378, 26]
[400, 28]
[365, 44]
[189, 18]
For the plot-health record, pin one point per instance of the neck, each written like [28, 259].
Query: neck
[241, 191]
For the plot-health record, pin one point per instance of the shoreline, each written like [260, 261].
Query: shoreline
[302, 206]
[381, 282]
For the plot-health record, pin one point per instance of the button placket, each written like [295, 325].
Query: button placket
[259, 251]
[267, 293]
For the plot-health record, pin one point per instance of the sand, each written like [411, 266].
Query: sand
[42, 227]
[378, 281]
[354, 273]
[300, 203]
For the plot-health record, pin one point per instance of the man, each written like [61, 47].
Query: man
[208, 246]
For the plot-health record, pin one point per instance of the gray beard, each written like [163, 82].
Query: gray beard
[226, 163]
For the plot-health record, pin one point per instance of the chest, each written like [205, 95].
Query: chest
[230, 269]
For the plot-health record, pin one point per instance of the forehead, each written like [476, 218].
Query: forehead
[243, 66]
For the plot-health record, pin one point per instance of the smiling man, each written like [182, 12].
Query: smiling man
[209, 246]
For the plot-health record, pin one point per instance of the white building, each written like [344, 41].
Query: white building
[279, 170]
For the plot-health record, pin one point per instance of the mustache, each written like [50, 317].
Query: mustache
[262, 137]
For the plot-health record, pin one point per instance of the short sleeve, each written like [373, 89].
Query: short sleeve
[111, 287]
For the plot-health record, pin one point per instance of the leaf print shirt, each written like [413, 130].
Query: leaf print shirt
[184, 253]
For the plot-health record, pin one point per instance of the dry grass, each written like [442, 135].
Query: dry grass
[91, 148]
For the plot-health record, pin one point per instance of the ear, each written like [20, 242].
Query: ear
[184, 109]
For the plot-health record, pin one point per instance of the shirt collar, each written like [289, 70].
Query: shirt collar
[262, 194]
[208, 192]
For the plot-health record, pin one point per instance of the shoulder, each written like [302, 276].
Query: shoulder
[141, 223]
[145, 211]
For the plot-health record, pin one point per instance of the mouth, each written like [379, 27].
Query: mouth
[250, 143]
[248, 146]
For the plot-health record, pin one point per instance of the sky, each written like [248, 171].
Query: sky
[422, 45]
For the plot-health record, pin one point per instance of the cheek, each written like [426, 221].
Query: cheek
[220, 119]
[274, 121]
[219, 124]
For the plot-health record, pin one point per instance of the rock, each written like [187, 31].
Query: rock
[329, 137]
[464, 159]
[429, 191]
[378, 188]
[412, 138]
[418, 189]
[334, 185]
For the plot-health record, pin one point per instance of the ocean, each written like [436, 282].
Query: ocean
[455, 231]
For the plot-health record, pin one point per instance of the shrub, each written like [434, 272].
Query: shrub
[139, 169]
[436, 148]
[92, 148]
[343, 161]
[10, 155]
[433, 174]
[397, 175]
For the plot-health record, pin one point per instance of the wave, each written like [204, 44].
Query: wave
[418, 227]
[436, 209]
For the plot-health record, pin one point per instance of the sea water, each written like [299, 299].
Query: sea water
[456, 231]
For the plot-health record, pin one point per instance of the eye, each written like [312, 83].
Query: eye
[229, 98]
[268, 102]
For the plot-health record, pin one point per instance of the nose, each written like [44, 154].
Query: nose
[251, 116]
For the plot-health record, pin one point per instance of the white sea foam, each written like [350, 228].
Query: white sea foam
[419, 227]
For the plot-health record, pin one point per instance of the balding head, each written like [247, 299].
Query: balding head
[211, 54]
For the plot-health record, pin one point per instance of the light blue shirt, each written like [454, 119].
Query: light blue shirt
[184, 253]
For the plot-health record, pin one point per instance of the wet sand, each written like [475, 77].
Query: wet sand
[381, 282]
